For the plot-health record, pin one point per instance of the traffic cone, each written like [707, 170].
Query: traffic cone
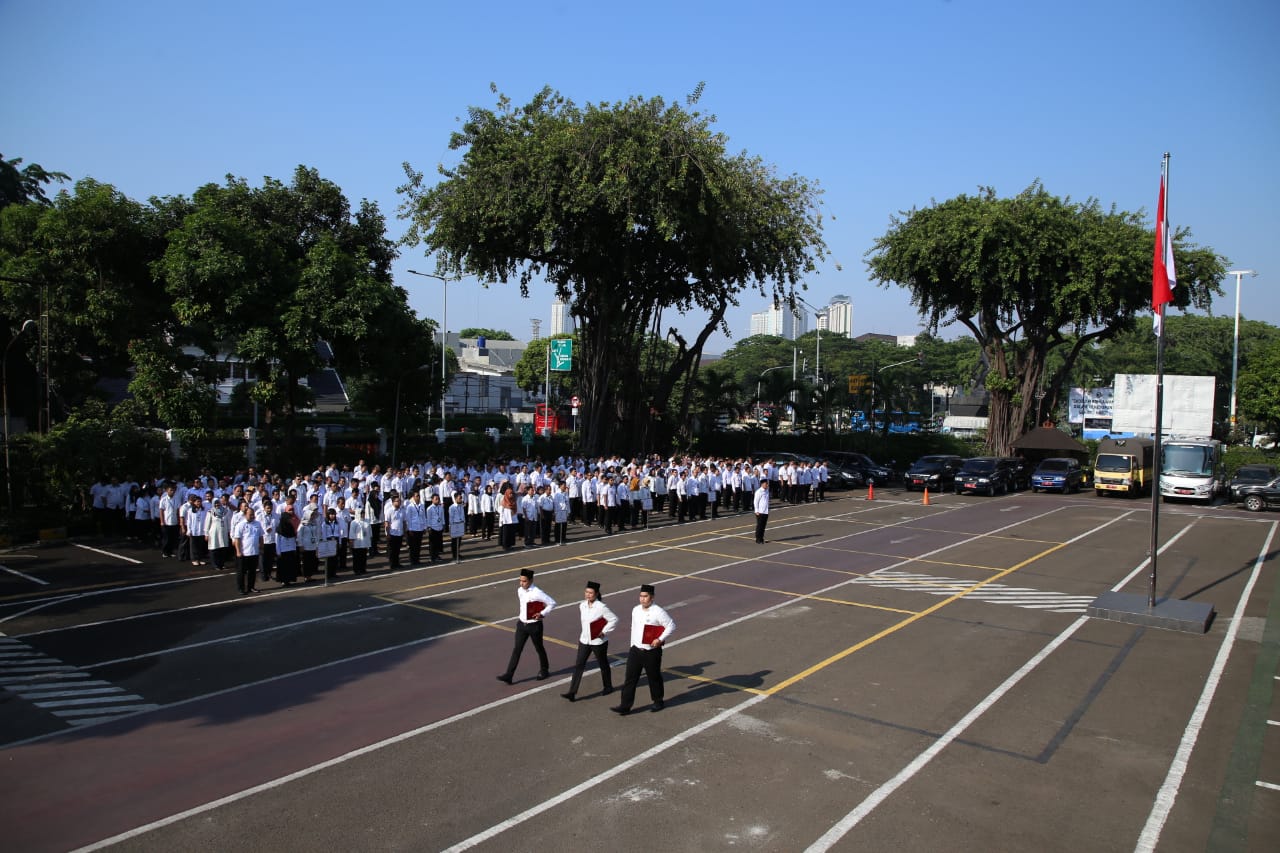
[871, 490]
[926, 496]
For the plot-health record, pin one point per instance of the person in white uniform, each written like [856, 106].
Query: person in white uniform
[651, 629]
[598, 621]
[534, 606]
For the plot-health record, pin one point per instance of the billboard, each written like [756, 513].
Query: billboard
[1188, 405]
[1090, 403]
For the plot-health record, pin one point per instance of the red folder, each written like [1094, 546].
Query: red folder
[651, 633]
[533, 608]
[597, 627]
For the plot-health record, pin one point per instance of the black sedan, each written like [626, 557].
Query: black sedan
[1261, 496]
[1250, 475]
[985, 474]
[932, 472]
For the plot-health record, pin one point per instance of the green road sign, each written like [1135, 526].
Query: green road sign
[562, 354]
[526, 433]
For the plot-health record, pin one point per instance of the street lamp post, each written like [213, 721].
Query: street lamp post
[4, 384]
[395, 429]
[444, 336]
[758, 381]
[1235, 348]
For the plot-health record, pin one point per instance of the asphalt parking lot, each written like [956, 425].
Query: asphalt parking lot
[879, 675]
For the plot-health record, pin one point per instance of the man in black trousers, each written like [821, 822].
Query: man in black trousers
[534, 605]
[651, 628]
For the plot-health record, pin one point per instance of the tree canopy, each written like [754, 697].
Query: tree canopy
[628, 210]
[1028, 275]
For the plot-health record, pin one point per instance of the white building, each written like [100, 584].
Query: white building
[780, 321]
[839, 316]
[561, 319]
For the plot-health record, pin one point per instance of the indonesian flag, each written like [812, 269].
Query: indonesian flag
[1163, 276]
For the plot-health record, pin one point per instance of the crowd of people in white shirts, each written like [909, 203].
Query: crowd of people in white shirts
[284, 529]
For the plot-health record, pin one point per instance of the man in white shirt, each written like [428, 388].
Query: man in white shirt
[534, 606]
[761, 506]
[246, 536]
[597, 622]
[651, 629]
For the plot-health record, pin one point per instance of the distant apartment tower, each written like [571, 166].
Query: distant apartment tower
[839, 316]
[780, 321]
[561, 319]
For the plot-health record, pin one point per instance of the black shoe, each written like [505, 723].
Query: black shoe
[543, 676]
[569, 696]
[657, 706]
[618, 709]
[505, 679]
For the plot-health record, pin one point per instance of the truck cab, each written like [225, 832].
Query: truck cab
[1124, 466]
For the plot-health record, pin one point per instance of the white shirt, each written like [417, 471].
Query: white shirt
[590, 613]
[652, 615]
[248, 538]
[533, 594]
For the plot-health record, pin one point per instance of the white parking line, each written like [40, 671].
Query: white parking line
[23, 575]
[842, 827]
[1271, 785]
[108, 554]
[1173, 780]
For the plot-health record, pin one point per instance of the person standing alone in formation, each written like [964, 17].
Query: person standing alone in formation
[457, 525]
[761, 503]
[597, 622]
[247, 539]
[534, 606]
[651, 629]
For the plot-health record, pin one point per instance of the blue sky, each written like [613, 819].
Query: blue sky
[888, 105]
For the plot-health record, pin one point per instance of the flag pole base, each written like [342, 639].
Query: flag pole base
[1192, 617]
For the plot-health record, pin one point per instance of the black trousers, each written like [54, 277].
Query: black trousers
[246, 572]
[650, 662]
[762, 518]
[359, 560]
[415, 546]
[585, 651]
[531, 631]
[168, 539]
[393, 550]
[268, 560]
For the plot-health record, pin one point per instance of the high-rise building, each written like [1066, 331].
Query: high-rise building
[839, 317]
[781, 321]
[561, 319]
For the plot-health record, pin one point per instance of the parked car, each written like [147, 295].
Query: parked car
[1250, 475]
[1058, 473]
[986, 474]
[1260, 496]
[932, 472]
[840, 476]
[1020, 471]
[872, 471]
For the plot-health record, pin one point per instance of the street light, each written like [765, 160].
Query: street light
[395, 429]
[758, 380]
[444, 336]
[818, 314]
[4, 382]
[1235, 349]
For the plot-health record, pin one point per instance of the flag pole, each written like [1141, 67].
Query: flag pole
[1162, 217]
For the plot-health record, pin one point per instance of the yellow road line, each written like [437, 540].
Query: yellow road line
[892, 629]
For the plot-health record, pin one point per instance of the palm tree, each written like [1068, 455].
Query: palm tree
[717, 394]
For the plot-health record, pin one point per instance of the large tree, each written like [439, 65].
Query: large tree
[1027, 275]
[267, 272]
[628, 210]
